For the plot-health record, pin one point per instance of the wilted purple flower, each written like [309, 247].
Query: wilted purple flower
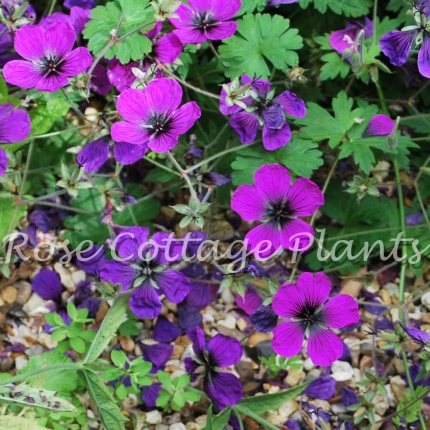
[152, 115]
[397, 44]
[165, 331]
[379, 125]
[223, 388]
[264, 319]
[417, 335]
[349, 397]
[82, 298]
[249, 302]
[278, 2]
[51, 60]
[292, 424]
[85, 4]
[158, 354]
[3, 161]
[206, 20]
[342, 40]
[146, 270]
[150, 395]
[99, 82]
[277, 204]
[323, 388]
[263, 109]
[96, 153]
[14, 124]
[310, 316]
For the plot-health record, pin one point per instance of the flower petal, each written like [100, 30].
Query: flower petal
[221, 31]
[224, 351]
[14, 126]
[144, 301]
[167, 49]
[3, 161]
[52, 83]
[263, 241]
[127, 153]
[118, 272]
[163, 142]
[130, 241]
[30, 42]
[223, 388]
[274, 139]
[21, 73]
[158, 354]
[288, 301]
[185, 117]
[305, 197]
[274, 116]
[296, 235]
[47, 285]
[272, 182]
[424, 56]
[324, 347]
[379, 125]
[288, 338]
[224, 10]
[60, 39]
[174, 285]
[315, 288]
[291, 104]
[130, 133]
[77, 62]
[134, 106]
[249, 302]
[249, 204]
[200, 5]
[94, 155]
[246, 125]
[323, 388]
[197, 336]
[163, 96]
[340, 311]
[165, 331]
[396, 45]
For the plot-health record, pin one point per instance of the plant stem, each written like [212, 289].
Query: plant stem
[381, 98]
[56, 205]
[375, 16]
[75, 109]
[184, 174]
[148, 24]
[162, 166]
[255, 417]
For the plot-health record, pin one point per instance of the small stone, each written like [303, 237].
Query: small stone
[201, 420]
[172, 419]
[251, 387]
[241, 324]
[24, 292]
[227, 296]
[65, 276]
[222, 230]
[425, 300]
[245, 371]
[192, 426]
[78, 276]
[342, 371]
[103, 310]
[161, 427]
[153, 417]
[398, 387]
[386, 298]
[256, 338]
[9, 294]
[229, 322]
[35, 306]
[21, 362]
[177, 426]
[294, 377]
[126, 343]
[366, 362]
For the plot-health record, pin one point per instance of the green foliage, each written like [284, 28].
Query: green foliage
[9, 215]
[409, 407]
[262, 37]
[300, 156]
[19, 423]
[276, 363]
[217, 422]
[349, 8]
[128, 16]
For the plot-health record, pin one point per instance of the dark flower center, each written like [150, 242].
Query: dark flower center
[310, 316]
[279, 212]
[203, 20]
[51, 65]
[159, 123]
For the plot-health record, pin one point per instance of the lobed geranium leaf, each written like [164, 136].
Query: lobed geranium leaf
[351, 8]
[261, 37]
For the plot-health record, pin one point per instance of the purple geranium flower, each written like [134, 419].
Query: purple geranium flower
[152, 115]
[379, 125]
[263, 109]
[165, 331]
[223, 388]
[278, 2]
[78, 18]
[3, 161]
[99, 82]
[310, 316]
[277, 204]
[51, 60]
[85, 4]
[205, 20]
[341, 40]
[397, 45]
[96, 153]
[145, 270]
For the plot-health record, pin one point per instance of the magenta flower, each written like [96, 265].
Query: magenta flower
[310, 316]
[206, 20]
[223, 388]
[51, 60]
[341, 40]
[14, 124]
[263, 109]
[278, 2]
[277, 204]
[147, 272]
[152, 115]
[397, 45]
[3, 161]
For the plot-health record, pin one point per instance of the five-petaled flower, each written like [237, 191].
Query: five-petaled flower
[223, 388]
[311, 316]
[205, 20]
[263, 109]
[146, 270]
[153, 115]
[51, 60]
[397, 44]
[277, 203]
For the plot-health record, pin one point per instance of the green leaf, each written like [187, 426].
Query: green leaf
[78, 345]
[19, 423]
[105, 19]
[113, 319]
[267, 402]
[217, 422]
[71, 310]
[353, 8]
[110, 414]
[300, 156]
[25, 395]
[165, 380]
[334, 66]
[118, 358]
[10, 214]
[260, 37]
[249, 6]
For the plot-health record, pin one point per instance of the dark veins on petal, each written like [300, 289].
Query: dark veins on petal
[51, 65]
[279, 212]
[203, 21]
[309, 316]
